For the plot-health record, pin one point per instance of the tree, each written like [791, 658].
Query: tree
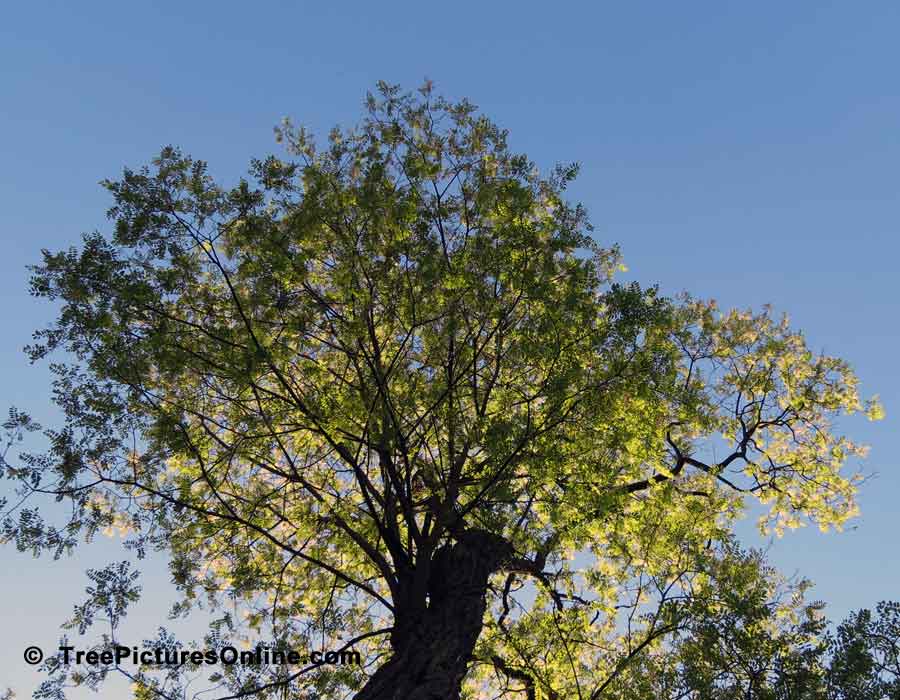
[865, 659]
[388, 396]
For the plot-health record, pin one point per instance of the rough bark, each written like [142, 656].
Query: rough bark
[433, 647]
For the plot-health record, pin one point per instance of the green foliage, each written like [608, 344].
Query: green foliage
[773, 650]
[866, 655]
[305, 385]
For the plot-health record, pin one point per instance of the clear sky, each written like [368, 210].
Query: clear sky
[748, 152]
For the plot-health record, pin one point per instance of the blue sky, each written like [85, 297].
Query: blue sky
[747, 152]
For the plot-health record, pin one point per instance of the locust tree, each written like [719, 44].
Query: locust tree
[384, 393]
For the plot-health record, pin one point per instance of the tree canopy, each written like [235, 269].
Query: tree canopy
[386, 394]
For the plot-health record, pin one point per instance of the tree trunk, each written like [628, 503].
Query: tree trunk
[432, 649]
